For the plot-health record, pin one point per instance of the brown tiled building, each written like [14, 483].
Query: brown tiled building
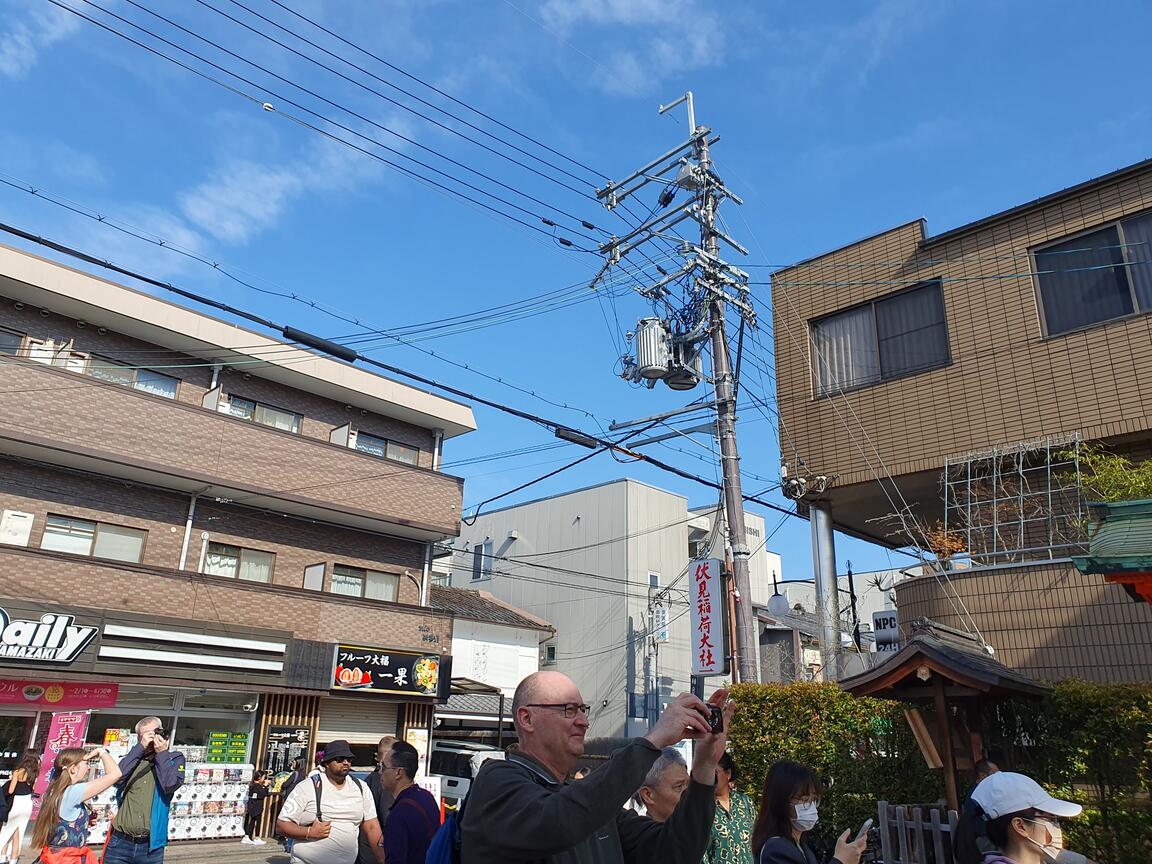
[228, 524]
[950, 383]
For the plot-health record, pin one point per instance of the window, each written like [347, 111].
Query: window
[482, 560]
[653, 579]
[549, 655]
[898, 335]
[140, 379]
[236, 562]
[314, 577]
[1096, 277]
[258, 412]
[98, 539]
[358, 582]
[385, 449]
[10, 341]
[49, 353]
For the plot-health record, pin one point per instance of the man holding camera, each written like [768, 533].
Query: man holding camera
[523, 809]
[149, 774]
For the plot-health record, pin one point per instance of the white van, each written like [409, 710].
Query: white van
[456, 763]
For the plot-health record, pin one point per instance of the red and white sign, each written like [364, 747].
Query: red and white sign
[706, 609]
[66, 730]
[57, 694]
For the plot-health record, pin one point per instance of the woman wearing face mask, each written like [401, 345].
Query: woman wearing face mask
[789, 809]
[1022, 820]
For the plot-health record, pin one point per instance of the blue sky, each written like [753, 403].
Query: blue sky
[837, 120]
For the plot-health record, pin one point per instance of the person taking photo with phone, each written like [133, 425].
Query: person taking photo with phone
[150, 774]
[61, 830]
[789, 809]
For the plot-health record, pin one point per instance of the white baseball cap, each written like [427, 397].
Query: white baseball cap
[1004, 792]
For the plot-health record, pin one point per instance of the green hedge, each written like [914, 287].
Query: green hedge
[861, 748]
[1087, 742]
[1090, 743]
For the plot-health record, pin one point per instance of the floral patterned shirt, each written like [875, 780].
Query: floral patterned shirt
[731, 841]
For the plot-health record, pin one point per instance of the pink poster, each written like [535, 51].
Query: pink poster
[66, 730]
[57, 694]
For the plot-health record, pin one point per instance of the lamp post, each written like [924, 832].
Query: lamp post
[778, 603]
[852, 599]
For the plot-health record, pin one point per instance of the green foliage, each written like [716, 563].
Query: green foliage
[1090, 743]
[1108, 477]
[861, 748]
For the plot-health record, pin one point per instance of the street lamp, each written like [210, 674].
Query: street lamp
[778, 603]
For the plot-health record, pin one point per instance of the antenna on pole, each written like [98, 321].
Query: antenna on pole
[686, 98]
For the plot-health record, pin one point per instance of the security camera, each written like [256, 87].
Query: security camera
[250, 706]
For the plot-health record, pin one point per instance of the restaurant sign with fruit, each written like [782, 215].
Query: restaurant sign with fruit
[378, 670]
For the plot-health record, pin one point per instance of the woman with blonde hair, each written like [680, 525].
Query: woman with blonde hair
[61, 832]
[19, 792]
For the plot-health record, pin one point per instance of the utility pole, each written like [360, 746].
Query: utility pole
[668, 347]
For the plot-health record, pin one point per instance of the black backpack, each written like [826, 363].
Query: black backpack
[316, 785]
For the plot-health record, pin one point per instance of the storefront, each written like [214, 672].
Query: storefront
[88, 676]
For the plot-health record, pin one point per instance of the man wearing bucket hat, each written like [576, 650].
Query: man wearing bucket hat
[325, 814]
[1022, 820]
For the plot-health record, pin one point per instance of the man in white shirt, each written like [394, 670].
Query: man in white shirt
[325, 813]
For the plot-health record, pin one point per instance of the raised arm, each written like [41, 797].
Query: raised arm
[111, 775]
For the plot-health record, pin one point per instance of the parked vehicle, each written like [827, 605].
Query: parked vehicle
[456, 763]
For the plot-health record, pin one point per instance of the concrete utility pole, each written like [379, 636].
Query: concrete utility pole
[669, 349]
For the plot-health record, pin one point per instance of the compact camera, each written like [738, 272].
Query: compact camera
[715, 718]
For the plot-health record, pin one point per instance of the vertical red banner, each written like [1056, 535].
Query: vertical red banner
[67, 729]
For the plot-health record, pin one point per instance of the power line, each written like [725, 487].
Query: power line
[350, 355]
[329, 135]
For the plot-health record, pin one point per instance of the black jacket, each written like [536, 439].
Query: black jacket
[517, 812]
[783, 850]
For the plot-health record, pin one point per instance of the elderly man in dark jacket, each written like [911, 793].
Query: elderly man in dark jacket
[523, 809]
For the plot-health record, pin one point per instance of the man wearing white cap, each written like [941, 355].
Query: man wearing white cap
[1022, 820]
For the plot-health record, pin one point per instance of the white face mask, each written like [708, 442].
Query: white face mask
[806, 816]
[1054, 846]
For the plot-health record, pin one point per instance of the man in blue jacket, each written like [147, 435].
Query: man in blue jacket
[150, 773]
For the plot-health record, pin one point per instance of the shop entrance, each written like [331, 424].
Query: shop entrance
[15, 737]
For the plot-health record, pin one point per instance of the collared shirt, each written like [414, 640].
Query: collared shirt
[731, 841]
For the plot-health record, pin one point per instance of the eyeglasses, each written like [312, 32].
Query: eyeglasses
[347, 759]
[570, 709]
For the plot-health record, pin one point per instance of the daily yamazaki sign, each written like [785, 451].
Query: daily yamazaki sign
[53, 638]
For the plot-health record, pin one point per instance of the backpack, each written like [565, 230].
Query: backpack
[445, 845]
[317, 786]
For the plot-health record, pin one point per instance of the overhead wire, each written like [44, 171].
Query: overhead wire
[302, 122]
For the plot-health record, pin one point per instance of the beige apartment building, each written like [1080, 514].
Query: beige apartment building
[950, 384]
[220, 528]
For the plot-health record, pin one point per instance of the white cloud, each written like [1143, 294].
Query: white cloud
[27, 30]
[564, 14]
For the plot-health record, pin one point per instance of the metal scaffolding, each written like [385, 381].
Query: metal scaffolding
[1019, 502]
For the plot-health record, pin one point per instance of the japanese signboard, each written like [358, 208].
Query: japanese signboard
[57, 694]
[53, 638]
[66, 730]
[378, 670]
[283, 744]
[706, 605]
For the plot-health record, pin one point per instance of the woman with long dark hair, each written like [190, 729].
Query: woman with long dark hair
[61, 832]
[19, 793]
[788, 811]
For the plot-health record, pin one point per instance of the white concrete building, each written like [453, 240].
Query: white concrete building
[607, 566]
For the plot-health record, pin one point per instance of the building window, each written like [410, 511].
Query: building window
[386, 449]
[46, 351]
[1096, 277]
[653, 579]
[370, 584]
[268, 415]
[140, 379]
[314, 577]
[898, 335]
[236, 562]
[549, 655]
[10, 341]
[97, 539]
[482, 560]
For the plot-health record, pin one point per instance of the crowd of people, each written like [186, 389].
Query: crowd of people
[534, 806]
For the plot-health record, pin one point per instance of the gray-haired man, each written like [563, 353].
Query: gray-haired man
[663, 785]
